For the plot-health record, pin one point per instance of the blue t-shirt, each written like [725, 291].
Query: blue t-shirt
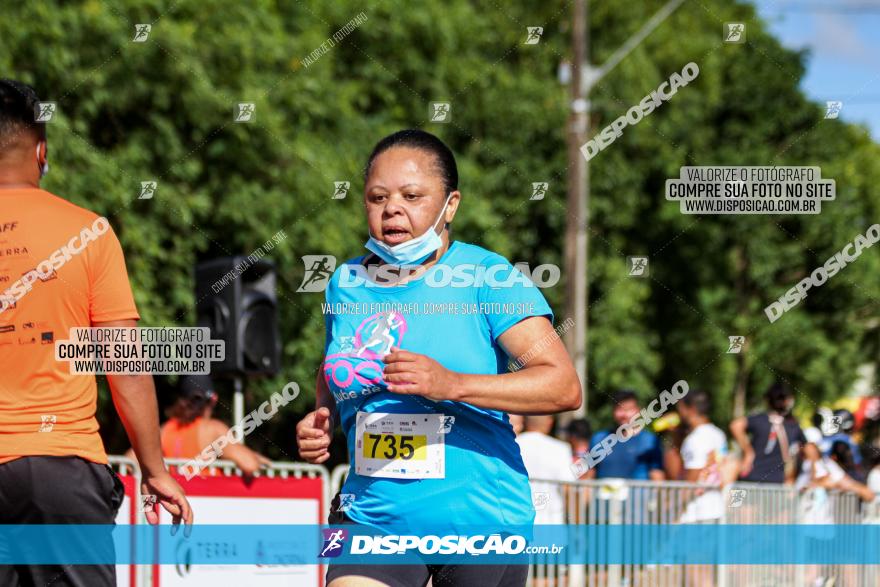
[485, 479]
[828, 443]
[632, 459]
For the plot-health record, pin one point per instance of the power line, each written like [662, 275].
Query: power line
[847, 100]
[853, 8]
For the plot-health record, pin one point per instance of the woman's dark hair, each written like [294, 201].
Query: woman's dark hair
[195, 394]
[425, 141]
[187, 409]
[842, 453]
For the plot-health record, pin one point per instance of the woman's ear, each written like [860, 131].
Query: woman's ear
[452, 206]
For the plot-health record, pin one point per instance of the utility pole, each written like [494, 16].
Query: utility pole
[577, 198]
[583, 79]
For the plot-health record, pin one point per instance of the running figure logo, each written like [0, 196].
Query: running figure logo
[737, 498]
[341, 188]
[440, 112]
[346, 344]
[540, 500]
[831, 425]
[446, 423]
[381, 336]
[148, 503]
[833, 108]
[736, 32]
[47, 422]
[44, 111]
[318, 270]
[534, 34]
[736, 344]
[333, 542]
[245, 112]
[142, 32]
[638, 266]
[346, 500]
[148, 188]
[539, 190]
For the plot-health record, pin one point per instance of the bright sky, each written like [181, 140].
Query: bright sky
[843, 38]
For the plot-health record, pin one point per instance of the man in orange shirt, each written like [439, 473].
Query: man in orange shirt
[61, 266]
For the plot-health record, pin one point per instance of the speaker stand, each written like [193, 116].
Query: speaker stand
[238, 403]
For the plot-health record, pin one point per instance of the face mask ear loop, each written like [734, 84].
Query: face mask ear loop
[42, 162]
[442, 211]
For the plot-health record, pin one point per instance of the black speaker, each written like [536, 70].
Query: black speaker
[235, 298]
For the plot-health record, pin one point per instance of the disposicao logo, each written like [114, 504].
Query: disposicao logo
[334, 542]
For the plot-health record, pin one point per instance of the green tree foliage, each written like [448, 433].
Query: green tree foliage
[163, 110]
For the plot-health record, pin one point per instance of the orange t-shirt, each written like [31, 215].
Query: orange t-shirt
[44, 410]
[181, 441]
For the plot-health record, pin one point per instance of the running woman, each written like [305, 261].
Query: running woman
[416, 372]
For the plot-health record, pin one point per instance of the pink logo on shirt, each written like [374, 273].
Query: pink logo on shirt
[373, 340]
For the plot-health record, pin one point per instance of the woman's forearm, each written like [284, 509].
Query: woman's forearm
[323, 397]
[539, 389]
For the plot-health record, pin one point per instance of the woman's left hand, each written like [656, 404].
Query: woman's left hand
[414, 374]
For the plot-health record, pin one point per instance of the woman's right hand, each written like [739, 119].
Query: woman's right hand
[313, 436]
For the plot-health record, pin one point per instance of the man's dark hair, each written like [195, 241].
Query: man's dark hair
[18, 103]
[777, 394]
[425, 141]
[699, 400]
[579, 428]
[624, 395]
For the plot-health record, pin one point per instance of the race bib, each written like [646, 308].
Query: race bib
[400, 446]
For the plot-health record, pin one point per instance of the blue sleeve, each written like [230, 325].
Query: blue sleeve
[655, 454]
[328, 331]
[513, 298]
[330, 295]
[857, 454]
[597, 437]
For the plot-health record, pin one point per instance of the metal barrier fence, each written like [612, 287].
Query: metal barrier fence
[276, 469]
[221, 468]
[626, 502]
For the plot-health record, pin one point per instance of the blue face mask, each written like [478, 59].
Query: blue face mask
[413, 251]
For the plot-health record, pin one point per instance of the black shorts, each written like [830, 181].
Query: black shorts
[418, 575]
[441, 575]
[60, 490]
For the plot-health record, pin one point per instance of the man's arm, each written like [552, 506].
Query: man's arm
[135, 399]
[739, 429]
[655, 464]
